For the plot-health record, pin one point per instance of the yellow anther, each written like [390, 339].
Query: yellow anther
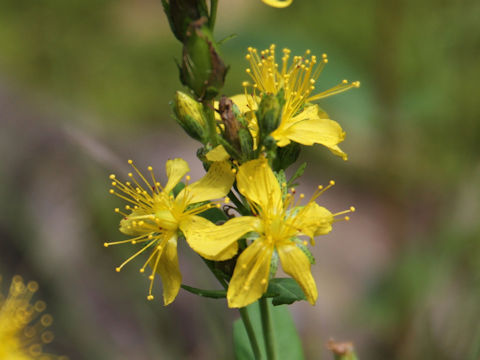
[305, 242]
[118, 269]
[302, 196]
[114, 183]
[130, 162]
[142, 270]
[150, 297]
[151, 277]
[347, 218]
[134, 242]
[112, 176]
[130, 174]
[332, 182]
[111, 191]
[187, 177]
[352, 209]
[150, 168]
[105, 244]
[117, 210]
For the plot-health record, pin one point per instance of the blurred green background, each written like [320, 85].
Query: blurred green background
[86, 84]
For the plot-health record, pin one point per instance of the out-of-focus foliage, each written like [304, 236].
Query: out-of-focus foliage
[78, 78]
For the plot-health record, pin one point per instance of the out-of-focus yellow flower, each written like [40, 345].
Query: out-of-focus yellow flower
[278, 221]
[301, 121]
[24, 325]
[156, 216]
[278, 3]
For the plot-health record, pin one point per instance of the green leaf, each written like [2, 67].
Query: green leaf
[284, 291]
[287, 341]
[214, 294]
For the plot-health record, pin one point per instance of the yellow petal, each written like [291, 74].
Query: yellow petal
[176, 169]
[313, 220]
[309, 128]
[278, 3]
[296, 264]
[215, 184]
[257, 182]
[216, 242]
[218, 154]
[250, 277]
[169, 270]
[246, 103]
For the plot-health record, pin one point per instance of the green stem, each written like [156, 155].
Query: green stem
[267, 329]
[213, 14]
[251, 334]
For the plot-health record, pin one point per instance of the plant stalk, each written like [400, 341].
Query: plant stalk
[268, 329]
[251, 334]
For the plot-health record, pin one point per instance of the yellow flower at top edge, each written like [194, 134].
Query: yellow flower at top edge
[278, 3]
[156, 216]
[23, 324]
[278, 221]
[301, 121]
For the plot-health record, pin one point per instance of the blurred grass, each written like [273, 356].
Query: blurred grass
[106, 68]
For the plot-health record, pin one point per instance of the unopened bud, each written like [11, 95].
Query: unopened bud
[269, 113]
[202, 69]
[189, 114]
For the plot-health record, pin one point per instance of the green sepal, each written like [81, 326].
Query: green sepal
[284, 291]
[282, 179]
[305, 250]
[192, 128]
[286, 156]
[297, 174]
[246, 143]
[273, 265]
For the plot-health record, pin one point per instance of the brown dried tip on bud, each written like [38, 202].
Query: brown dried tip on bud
[232, 126]
[340, 348]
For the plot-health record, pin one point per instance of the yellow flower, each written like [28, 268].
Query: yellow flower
[23, 325]
[156, 216]
[278, 3]
[301, 121]
[278, 221]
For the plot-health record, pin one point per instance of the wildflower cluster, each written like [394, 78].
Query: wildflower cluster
[248, 141]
